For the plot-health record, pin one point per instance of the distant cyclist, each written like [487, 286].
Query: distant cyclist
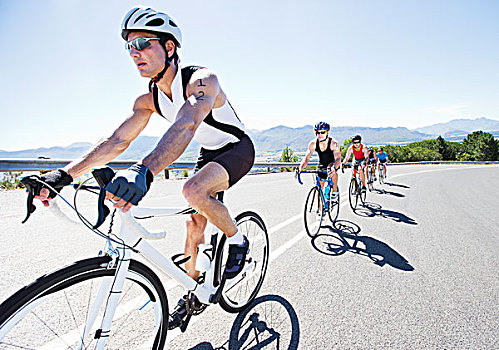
[382, 159]
[192, 99]
[372, 161]
[329, 156]
[359, 151]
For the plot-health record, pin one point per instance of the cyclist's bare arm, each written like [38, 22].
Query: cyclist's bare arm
[365, 151]
[111, 147]
[335, 147]
[308, 155]
[204, 94]
[348, 155]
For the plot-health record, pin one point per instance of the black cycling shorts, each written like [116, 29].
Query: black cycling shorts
[372, 160]
[322, 176]
[357, 162]
[236, 158]
[382, 161]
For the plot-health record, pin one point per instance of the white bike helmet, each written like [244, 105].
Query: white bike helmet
[150, 20]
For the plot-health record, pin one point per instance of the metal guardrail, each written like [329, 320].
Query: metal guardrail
[35, 164]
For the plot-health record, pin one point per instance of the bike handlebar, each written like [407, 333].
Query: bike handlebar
[34, 184]
[309, 172]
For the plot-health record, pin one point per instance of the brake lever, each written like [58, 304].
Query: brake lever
[103, 176]
[30, 206]
[103, 210]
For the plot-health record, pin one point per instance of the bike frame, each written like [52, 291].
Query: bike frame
[134, 234]
[356, 176]
[329, 182]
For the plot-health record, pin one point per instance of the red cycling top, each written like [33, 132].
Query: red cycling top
[360, 153]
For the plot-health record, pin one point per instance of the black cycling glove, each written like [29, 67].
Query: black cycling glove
[56, 179]
[132, 184]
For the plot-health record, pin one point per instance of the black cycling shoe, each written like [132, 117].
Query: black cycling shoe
[363, 190]
[180, 311]
[236, 258]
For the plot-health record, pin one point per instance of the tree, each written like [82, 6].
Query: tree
[480, 146]
[287, 156]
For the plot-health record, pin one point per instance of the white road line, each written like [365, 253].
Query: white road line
[291, 242]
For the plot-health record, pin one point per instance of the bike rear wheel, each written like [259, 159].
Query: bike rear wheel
[314, 212]
[242, 289]
[370, 178]
[52, 312]
[353, 193]
[334, 207]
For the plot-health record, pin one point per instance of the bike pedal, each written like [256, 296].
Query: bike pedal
[185, 323]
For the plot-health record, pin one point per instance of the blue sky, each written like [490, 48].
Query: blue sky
[66, 76]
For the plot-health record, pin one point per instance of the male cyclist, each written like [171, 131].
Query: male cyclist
[192, 99]
[382, 159]
[372, 162]
[360, 155]
[329, 156]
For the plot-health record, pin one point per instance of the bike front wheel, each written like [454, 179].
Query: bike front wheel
[314, 212]
[353, 193]
[60, 310]
[241, 290]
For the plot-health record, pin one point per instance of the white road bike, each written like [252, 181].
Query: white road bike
[113, 301]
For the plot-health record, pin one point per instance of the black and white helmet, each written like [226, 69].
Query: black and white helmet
[150, 20]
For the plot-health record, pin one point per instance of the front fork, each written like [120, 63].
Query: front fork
[109, 293]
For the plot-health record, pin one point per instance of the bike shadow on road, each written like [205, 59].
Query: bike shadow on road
[370, 209]
[270, 321]
[395, 184]
[344, 237]
[391, 193]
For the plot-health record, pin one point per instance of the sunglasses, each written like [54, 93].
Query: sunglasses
[320, 132]
[356, 142]
[139, 44]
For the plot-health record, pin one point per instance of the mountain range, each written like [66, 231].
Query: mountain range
[277, 138]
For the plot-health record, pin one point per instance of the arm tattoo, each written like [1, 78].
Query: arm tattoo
[201, 83]
[200, 98]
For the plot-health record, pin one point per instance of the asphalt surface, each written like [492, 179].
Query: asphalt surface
[415, 268]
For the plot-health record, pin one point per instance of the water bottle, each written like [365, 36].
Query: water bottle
[203, 261]
[326, 192]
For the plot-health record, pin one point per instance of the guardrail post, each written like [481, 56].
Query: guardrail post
[167, 174]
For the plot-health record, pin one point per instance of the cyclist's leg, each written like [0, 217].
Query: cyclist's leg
[198, 190]
[196, 225]
[362, 173]
[335, 181]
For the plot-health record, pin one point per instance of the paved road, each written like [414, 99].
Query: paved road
[416, 268]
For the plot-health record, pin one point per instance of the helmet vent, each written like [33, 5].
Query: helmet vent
[172, 23]
[157, 22]
[138, 18]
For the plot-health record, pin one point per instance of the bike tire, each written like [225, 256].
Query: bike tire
[362, 194]
[313, 213]
[353, 194]
[370, 184]
[51, 312]
[240, 291]
[334, 208]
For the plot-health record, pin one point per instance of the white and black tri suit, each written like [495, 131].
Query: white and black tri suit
[222, 136]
